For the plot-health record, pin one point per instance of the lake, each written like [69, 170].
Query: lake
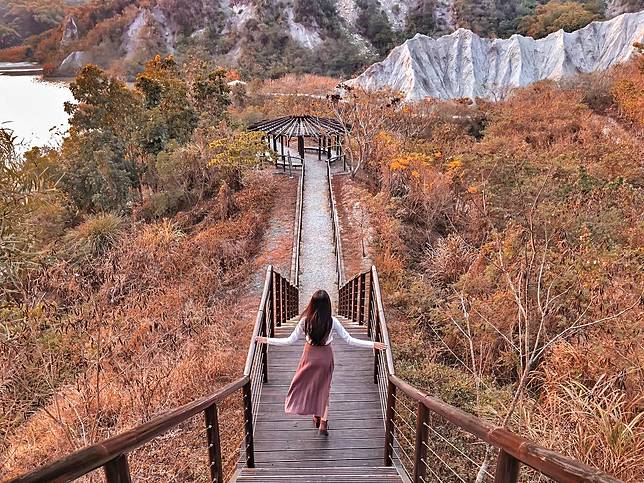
[33, 108]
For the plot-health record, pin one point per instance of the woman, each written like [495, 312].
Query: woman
[309, 391]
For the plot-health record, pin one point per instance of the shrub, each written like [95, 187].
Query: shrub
[554, 16]
[94, 237]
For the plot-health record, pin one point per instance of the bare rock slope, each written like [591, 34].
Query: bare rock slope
[463, 64]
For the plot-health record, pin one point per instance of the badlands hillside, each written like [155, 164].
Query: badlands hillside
[267, 38]
[463, 64]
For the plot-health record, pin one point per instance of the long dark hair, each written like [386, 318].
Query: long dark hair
[317, 315]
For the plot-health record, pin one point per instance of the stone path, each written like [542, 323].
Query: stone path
[317, 254]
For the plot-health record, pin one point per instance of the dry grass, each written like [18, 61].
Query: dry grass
[166, 324]
[293, 84]
[464, 209]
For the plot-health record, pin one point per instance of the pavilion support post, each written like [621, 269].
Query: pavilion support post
[320, 148]
[274, 143]
[300, 146]
[328, 153]
[282, 147]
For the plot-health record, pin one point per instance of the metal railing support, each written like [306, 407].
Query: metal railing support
[389, 423]
[420, 451]
[507, 468]
[214, 444]
[248, 425]
[118, 470]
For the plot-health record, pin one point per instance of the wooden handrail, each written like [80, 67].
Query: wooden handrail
[383, 321]
[93, 457]
[547, 462]
[258, 320]
[111, 454]
[298, 231]
[336, 228]
[513, 449]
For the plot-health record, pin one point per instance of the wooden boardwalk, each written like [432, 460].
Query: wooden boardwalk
[287, 447]
[353, 451]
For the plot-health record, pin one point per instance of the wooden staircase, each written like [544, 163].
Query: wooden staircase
[331, 474]
[382, 429]
[353, 451]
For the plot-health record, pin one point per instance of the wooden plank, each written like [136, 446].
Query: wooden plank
[321, 479]
[268, 435]
[345, 401]
[329, 471]
[335, 414]
[316, 442]
[276, 405]
[339, 424]
[323, 463]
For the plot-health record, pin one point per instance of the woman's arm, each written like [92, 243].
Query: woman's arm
[342, 332]
[290, 340]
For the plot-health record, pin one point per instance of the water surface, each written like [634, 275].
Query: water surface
[34, 109]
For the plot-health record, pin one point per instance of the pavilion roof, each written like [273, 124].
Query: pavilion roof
[293, 126]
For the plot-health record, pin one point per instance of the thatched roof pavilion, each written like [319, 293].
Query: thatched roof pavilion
[326, 131]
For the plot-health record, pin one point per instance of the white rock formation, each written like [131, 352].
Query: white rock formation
[306, 37]
[70, 31]
[464, 65]
[72, 63]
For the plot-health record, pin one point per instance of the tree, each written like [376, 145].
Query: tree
[208, 90]
[106, 104]
[363, 114]
[234, 156]
[170, 115]
[556, 15]
[97, 175]
[102, 157]
[373, 24]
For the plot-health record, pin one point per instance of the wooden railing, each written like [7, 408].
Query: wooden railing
[335, 222]
[297, 242]
[279, 302]
[429, 439]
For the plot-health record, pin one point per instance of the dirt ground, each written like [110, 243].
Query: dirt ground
[355, 223]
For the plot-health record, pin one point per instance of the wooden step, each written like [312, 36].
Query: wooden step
[371, 474]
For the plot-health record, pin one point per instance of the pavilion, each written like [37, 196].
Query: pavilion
[327, 134]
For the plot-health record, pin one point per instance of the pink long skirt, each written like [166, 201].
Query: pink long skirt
[309, 391]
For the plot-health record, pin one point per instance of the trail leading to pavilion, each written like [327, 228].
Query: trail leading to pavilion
[317, 256]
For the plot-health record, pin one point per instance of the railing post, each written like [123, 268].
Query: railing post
[389, 423]
[118, 470]
[371, 305]
[363, 291]
[248, 425]
[284, 289]
[354, 300]
[507, 468]
[214, 444]
[420, 452]
[278, 299]
[376, 358]
[264, 347]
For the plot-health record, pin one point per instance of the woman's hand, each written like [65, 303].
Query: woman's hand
[261, 340]
[380, 346]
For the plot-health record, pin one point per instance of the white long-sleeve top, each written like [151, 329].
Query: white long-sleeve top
[337, 327]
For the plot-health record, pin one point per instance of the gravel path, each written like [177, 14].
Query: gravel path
[317, 256]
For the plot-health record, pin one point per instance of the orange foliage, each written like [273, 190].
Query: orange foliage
[167, 322]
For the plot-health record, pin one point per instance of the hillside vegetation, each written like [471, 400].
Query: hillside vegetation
[509, 237]
[125, 255]
[266, 38]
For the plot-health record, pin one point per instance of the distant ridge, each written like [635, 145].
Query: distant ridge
[463, 64]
